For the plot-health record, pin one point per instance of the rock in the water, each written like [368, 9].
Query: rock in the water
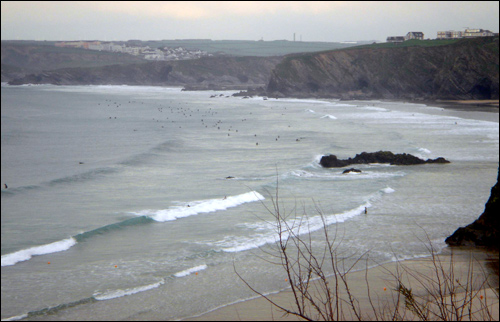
[331, 161]
[351, 170]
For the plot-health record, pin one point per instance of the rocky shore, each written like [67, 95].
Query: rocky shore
[483, 231]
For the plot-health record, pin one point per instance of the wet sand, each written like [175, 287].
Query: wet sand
[466, 105]
[382, 286]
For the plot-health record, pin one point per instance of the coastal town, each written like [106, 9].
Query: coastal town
[449, 34]
[163, 53]
[181, 53]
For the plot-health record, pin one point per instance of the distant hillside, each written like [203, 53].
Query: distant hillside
[246, 47]
[465, 69]
[36, 62]
[22, 58]
[204, 73]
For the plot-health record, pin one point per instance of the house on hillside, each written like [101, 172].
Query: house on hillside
[471, 33]
[415, 35]
[468, 33]
[395, 39]
[450, 34]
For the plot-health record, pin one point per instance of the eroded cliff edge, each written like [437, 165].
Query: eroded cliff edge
[203, 73]
[483, 231]
[467, 69]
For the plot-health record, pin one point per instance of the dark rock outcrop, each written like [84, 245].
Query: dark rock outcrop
[351, 170]
[331, 161]
[466, 69]
[483, 231]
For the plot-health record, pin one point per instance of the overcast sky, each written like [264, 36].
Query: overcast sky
[241, 20]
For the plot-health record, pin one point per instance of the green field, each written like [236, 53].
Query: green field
[247, 47]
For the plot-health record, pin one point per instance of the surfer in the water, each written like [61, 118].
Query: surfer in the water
[5, 185]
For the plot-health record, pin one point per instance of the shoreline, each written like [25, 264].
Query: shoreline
[472, 105]
[464, 105]
[381, 287]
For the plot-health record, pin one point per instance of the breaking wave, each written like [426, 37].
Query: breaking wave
[265, 232]
[199, 207]
[26, 254]
[144, 217]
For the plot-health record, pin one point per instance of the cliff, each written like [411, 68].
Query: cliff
[23, 58]
[466, 69]
[203, 73]
[483, 231]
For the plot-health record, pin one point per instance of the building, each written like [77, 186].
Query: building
[153, 54]
[471, 33]
[395, 39]
[414, 35]
[468, 33]
[95, 45]
[72, 44]
[450, 34]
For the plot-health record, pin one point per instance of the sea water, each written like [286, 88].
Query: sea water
[126, 202]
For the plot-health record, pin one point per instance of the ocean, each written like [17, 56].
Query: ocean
[140, 203]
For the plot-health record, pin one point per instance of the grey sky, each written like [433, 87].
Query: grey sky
[241, 20]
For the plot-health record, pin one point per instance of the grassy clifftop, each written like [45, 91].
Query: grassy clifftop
[464, 69]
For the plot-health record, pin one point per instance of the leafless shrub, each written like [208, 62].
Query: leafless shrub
[318, 279]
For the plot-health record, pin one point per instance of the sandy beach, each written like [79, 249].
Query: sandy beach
[382, 287]
[467, 105]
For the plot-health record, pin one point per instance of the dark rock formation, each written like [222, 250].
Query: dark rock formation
[466, 69]
[483, 231]
[351, 170]
[331, 161]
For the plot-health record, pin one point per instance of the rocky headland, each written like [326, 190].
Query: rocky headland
[198, 74]
[331, 161]
[420, 70]
[483, 231]
[466, 69]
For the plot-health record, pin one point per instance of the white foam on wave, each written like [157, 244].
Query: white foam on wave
[388, 190]
[374, 108]
[328, 116]
[302, 100]
[298, 226]
[265, 232]
[190, 271]
[424, 150]
[120, 293]
[115, 89]
[339, 175]
[198, 207]
[26, 254]
[342, 105]
[16, 318]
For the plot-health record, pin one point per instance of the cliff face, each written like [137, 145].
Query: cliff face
[467, 69]
[19, 59]
[204, 73]
[483, 231]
